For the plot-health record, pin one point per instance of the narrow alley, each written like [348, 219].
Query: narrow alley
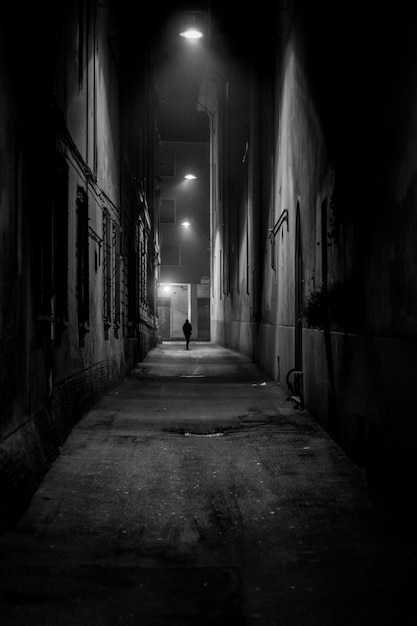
[194, 493]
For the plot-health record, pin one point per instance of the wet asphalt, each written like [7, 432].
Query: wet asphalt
[195, 493]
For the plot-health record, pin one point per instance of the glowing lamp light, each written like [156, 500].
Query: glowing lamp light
[167, 288]
[190, 177]
[186, 224]
[192, 33]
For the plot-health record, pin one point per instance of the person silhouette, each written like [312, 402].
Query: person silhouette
[187, 330]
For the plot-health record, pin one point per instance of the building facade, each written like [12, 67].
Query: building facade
[313, 218]
[79, 221]
[184, 291]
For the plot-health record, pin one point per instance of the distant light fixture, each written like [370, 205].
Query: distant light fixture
[193, 25]
[191, 33]
[167, 288]
[190, 177]
[186, 224]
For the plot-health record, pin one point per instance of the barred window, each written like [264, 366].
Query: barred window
[83, 307]
[132, 276]
[116, 274]
[106, 268]
[143, 262]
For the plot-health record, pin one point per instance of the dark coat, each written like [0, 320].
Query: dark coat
[187, 329]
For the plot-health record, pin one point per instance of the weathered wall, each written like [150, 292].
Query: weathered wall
[377, 238]
[87, 100]
[77, 296]
[28, 439]
[343, 124]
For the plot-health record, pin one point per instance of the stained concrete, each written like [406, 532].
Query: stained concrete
[195, 493]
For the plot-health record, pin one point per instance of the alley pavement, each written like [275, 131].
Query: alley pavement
[196, 494]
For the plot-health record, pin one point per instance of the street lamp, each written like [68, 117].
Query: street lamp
[186, 223]
[192, 30]
[192, 33]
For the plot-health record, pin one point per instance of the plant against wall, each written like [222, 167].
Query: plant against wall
[314, 312]
[339, 304]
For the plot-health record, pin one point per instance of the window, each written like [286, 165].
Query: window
[132, 280]
[166, 164]
[116, 278]
[106, 271]
[143, 262]
[83, 307]
[170, 255]
[167, 215]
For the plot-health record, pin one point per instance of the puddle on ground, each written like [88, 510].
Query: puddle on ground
[191, 434]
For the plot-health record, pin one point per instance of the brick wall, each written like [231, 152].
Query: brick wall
[75, 395]
[27, 452]
[25, 457]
